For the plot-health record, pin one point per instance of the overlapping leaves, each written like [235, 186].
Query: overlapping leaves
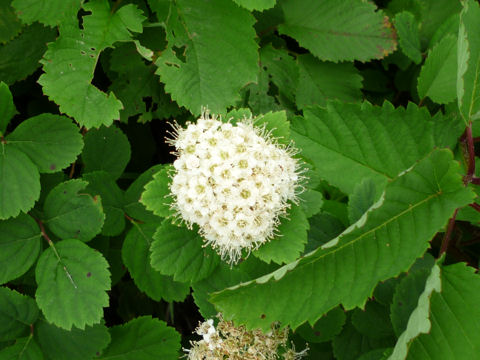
[394, 233]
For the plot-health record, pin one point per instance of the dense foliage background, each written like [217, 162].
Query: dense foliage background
[379, 260]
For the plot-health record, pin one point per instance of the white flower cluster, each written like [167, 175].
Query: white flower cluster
[236, 343]
[233, 181]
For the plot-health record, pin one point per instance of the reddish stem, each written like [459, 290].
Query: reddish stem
[44, 233]
[475, 206]
[448, 234]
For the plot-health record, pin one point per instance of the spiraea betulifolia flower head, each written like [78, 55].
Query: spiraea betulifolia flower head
[234, 181]
[227, 341]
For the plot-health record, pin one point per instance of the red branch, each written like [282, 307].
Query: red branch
[448, 234]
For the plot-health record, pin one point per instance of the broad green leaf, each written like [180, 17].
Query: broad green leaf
[468, 74]
[19, 182]
[70, 61]
[373, 321]
[282, 68]
[437, 78]
[48, 12]
[76, 344]
[393, 233]
[203, 66]
[454, 308]
[290, 244]
[106, 149]
[408, 35]
[335, 139]
[133, 207]
[448, 27]
[259, 100]
[325, 328]
[52, 142]
[363, 196]
[320, 81]
[223, 277]
[7, 107]
[24, 349]
[156, 195]
[136, 256]
[19, 57]
[406, 297]
[9, 24]
[178, 251]
[258, 5]
[339, 30]
[69, 212]
[17, 313]
[19, 240]
[101, 183]
[72, 282]
[143, 338]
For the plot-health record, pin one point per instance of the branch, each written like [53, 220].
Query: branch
[448, 234]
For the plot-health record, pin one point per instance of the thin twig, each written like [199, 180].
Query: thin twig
[448, 234]
[475, 206]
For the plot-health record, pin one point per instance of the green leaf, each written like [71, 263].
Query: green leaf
[258, 5]
[394, 233]
[19, 57]
[223, 277]
[70, 61]
[290, 244]
[373, 321]
[52, 142]
[19, 182]
[408, 35]
[17, 313]
[9, 24]
[71, 213]
[72, 282]
[143, 338]
[468, 74]
[419, 319]
[135, 82]
[7, 107]
[311, 202]
[136, 257]
[437, 78]
[319, 81]
[350, 344]
[155, 197]
[106, 149]
[339, 30]
[101, 183]
[277, 124]
[203, 66]
[20, 240]
[76, 344]
[363, 196]
[454, 308]
[333, 139]
[24, 349]
[48, 12]
[406, 297]
[178, 251]
[325, 328]
[282, 68]
[133, 207]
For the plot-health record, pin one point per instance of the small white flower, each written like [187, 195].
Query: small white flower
[234, 181]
